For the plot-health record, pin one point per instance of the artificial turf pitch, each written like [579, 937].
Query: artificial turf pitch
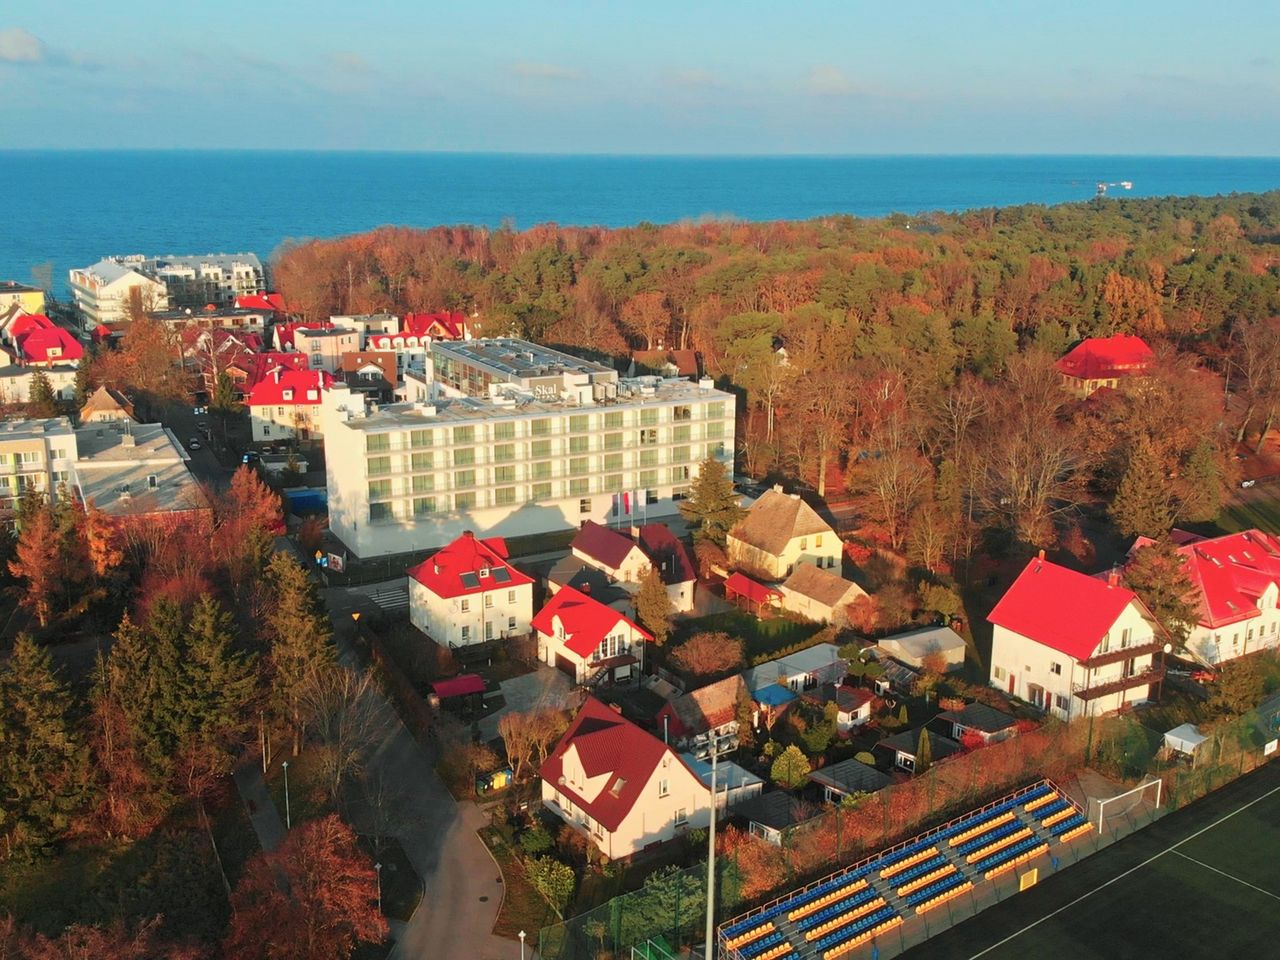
[1155, 894]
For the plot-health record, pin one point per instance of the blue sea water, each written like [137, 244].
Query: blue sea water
[71, 208]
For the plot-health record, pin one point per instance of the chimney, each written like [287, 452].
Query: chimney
[586, 589]
[436, 567]
[469, 534]
[1041, 553]
[1113, 578]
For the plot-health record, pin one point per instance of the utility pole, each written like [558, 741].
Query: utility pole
[711, 857]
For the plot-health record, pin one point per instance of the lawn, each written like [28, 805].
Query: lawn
[401, 886]
[761, 637]
[1259, 507]
[308, 797]
[523, 908]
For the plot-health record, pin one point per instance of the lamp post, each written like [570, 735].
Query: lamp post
[522, 936]
[711, 857]
[377, 868]
[285, 766]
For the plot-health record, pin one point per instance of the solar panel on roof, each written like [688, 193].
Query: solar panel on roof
[470, 580]
[501, 575]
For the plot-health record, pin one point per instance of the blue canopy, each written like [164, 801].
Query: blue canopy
[773, 695]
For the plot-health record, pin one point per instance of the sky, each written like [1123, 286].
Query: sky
[661, 77]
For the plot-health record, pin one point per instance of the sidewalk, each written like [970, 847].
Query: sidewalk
[258, 804]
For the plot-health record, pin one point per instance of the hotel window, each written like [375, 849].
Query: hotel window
[679, 454]
[375, 442]
[579, 423]
[378, 466]
[464, 456]
[648, 418]
[579, 465]
[541, 470]
[612, 461]
[648, 458]
[648, 478]
[540, 491]
[420, 438]
[680, 434]
[464, 434]
[464, 478]
[504, 496]
[681, 413]
[504, 431]
[504, 474]
[579, 444]
[679, 474]
[423, 506]
[613, 421]
[580, 487]
[613, 481]
[715, 430]
[715, 411]
[504, 452]
[540, 448]
[380, 511]
[464, 501]
[424, 484]
[540, 428]
[379, 489]
[613, 441]
[647, 438]
[584, 505]
[422, 461]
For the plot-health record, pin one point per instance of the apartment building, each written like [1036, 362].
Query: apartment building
[102, 290]
[27, 298]
[529, 441]
[325, 347]
[34, 455]
[210, 278]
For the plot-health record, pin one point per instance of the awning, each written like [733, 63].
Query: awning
[744, 586]
[1185, 738]
[458, 686]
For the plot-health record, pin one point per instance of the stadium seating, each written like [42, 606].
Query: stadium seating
[754, 933]
[978, 819]
[981, 840]
[764, 947]
[902, 853]
[1077, 831]
[1010, 857]
[865, 935]
[925, 879]
[1049, 796]
[999, 844]
[741, 927]
[833, 896]
[1059, 817]
[1049, 809]
[918, 869]
[1067, 823]
[947, 893]
[841, 938]
[940, 886]
[990, 824]
[844, 917]
[1038, 792]
[905, 866]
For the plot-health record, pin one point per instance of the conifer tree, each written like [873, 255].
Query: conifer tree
[299, 638]
[924, 752]
[791, 769]
[712, 507]
[36, 560]
[41, 402]
[1158, 575]
[218, 682]
[1201, 485]
[1141, 506]
[653, 607]
[44, 775]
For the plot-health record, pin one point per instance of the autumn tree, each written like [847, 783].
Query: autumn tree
[348, 720]
[1157, 573]
[646, 317]
[1239, 688]
[707, 656]
[314, 898]
[102, 541]
[712, 507]
[299, 637]
[653, 607]
[37, 563]
[41, 402]
[43, 763]
[553, 879]
[791, 769]
[146, 366]
[529, 737]
[246, 517]
[1142, 504]
[1200, 490]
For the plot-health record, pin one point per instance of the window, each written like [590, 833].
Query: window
[377, 466]
[1126, 635]
[541, 470]
[511, 624]
[648, 418]
[1105, 645]
[488, 601]
[464, 501]
[504, 496]
[423, 506]
[579, 465]
[817, 542]
[424, 484]
[648, 458]
[680, 434]
[664, 788]
[584, 505]
[1060, 702]
[579, 444]
[613, 461]
[681, 413]
[540, 491]
[464, 457]
[464, 434]
[380, 511]
[715, 411]
[504, 431]
[376, 442]
[1055, 669]
[421, 461]
[681, 817]
[613, 481]
[647, 438]
[680, 474]
[679, 454]
[540, 448]
[466, 634]
[504, 474]
[540, 428]
[464, 478]
[651, 497]
[379, 489]
[715, 430]
[488, 630]
[579, 486]
[579, 423]
[420, 438]
[999, 673]
[152, 483]
[504, 453]
[648, 478]
[804, 543]
[466, 605]
[613, 421]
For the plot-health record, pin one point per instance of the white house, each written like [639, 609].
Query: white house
[622, 787]
[818, 594]
[780, 531]
[288, 403]
[1236, 581]
[905, 748]
[468, 593]
[102, 291]
[610, 551]
[1074, 645]
[853, 704]
[580, 636]
[627, 557]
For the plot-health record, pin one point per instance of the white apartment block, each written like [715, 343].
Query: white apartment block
[541, 441]
[325, 346]
[177, 282]
[102, 291]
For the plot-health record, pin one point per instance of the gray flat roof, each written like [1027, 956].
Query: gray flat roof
[117, 476]
[851, 776]
[519, 358]
[34, 429]
[921, 643]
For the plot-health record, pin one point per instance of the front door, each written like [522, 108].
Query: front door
[1013, 683]
[1035, 693]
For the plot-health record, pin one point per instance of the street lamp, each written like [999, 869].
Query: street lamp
[285, 765]
[522, 936]
[377, 868]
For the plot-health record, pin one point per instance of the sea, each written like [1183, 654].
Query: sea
[70, 208]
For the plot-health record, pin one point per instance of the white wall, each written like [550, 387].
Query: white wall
[1248, 636]
[628, 636]
[443, 619]
[821, 549]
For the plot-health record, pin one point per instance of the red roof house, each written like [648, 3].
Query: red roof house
[47, 347]
[273, 302]
[1072, 644]
[439, 326]
[623, 787]
[286, 403]
[584, 638]
[611, 551]
[467, 593]
[1104, 361]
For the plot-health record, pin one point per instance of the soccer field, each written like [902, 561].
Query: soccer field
[1200, 884]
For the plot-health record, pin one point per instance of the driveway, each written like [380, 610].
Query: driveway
[545, 688]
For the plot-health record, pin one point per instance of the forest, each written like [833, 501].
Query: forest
[905, 362]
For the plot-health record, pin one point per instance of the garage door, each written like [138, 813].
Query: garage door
[566, 666]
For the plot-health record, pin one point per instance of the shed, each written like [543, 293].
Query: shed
[914, 645]
[849, 777]
[1185, 739]
[460, 686]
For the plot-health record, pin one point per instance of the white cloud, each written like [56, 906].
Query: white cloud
[20, 46]
[544, 71]
[829, 81]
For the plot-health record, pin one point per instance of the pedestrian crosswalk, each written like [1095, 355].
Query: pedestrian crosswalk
[392, 599]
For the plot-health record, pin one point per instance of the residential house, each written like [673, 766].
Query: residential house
[467, 593]
[780, 531]
[249, 369]
[976, 718]
[1074, 645]
[36, 341]
[370, 372]
[106, 405]
[272, 303]
[666, 363]
[853, 704]
[26, 298]
[903, 749]
[734, 784]
[283, 334]
[628, 557]
[913, 646]
[1236, 589]
[775, 684]
[15, 381]
[412, 342]
[772, 812]
[324, 347]
[623, 788]
[288, 403]
[818, 594]
[703, 717]
[610, 551]
[1104, 362]
[571, 571]
[580, 636]
[669, 556]
[848, 778]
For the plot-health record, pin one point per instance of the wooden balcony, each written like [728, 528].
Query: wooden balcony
[1152, 675]
[1123, 653]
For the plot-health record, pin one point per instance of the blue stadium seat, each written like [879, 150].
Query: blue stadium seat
[835, 909]
[1068, 824]
[862, 924]
[1049, 809]
[1004, 856]
[757, 947]
[1035, 794]
[991, 836]
[934, 889]
[917, 870]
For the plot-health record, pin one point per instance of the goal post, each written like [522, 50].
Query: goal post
[1147, 792]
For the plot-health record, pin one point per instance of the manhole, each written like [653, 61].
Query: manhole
[499, 879]
[484, 899]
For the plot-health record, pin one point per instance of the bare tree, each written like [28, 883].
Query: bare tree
[348, 718]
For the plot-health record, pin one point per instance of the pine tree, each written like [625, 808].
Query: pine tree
[653, 607]
[791, 769]
[924, 752]
[1201, 485]
[218, 682]
[40, 399]
[1158, 575]
[1142, 503]
[712, 507]
[299, 637]
[44, 774]
[84, 380]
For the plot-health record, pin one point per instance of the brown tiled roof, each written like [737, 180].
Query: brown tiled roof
[775, 519]
[821, 585]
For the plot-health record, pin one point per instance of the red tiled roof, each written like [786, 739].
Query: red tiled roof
[602, 544]
[35, 344]
[1229, 573]
[458, 686]
[586, 621]
[26, 322]
[443, 572]
[444, 325]
[273, 302]
[256, 366]
[666, 553]
[1103, 358]
[606, 743]
[269, 391]
[1060, 608]
[284, 331]
[744, 586]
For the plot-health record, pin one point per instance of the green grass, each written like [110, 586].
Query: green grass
[308, 797]
[759, 636]
[401, 886]
[1261, 510]
[523, 908]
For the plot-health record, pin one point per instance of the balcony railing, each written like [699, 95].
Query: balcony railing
[1153, 675]
[1122, 653]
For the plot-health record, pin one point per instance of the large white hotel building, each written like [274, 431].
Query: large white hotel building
[510, 438]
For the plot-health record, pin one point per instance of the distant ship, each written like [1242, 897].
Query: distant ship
[1123, 184]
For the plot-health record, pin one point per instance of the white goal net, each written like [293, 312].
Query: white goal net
[1143, 798]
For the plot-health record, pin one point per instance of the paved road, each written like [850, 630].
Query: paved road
[462, 884]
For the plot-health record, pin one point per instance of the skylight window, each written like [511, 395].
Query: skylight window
[616, 789]
[470, 580]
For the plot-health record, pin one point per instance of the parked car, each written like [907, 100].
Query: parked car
[251, 457]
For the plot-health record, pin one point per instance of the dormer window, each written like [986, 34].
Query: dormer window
[288, 394]
[313, 395]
